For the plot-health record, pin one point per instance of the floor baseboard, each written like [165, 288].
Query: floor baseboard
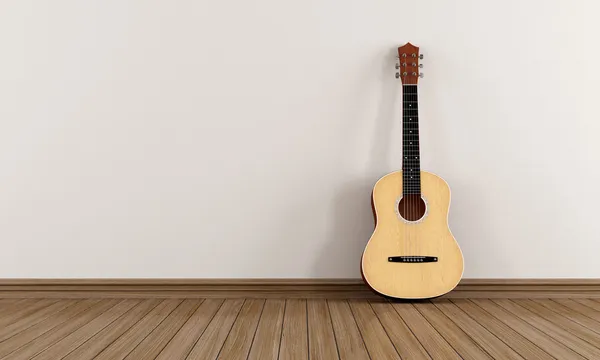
[282, 288]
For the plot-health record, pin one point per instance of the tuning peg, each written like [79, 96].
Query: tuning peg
[420, 65]
[421, 56]
[397, 66]
[421, 75]
[397, 75]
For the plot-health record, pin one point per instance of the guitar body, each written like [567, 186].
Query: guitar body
[427, 237]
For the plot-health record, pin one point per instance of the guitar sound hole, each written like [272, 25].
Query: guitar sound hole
[412, 207]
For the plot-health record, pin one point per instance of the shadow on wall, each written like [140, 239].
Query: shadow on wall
[353, 218]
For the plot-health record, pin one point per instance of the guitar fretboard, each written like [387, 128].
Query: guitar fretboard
[411, 158]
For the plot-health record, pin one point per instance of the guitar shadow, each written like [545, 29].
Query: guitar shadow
[353, 217]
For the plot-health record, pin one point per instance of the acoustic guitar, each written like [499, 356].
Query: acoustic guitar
[412, 254]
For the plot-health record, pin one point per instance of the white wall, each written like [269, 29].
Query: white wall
[242, 138]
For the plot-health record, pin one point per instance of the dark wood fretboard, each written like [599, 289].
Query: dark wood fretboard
[411, 158]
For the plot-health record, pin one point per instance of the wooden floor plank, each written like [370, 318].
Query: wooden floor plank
[528, 330]
[437, 347]
[489, 342]
[58, 333]
[406, 343]
[211, 342]
[516, 341]
[580, 308]
[24, 311]
[376, 340]
[7, 302]
[561, 320]
[558, 333]
[163, 333]
[347, 335]
[296, 329]
[9, 308]
[121, 347]
[268, 334]
[572, 314]
[294, 336]
[460, 341]
[81, 335]
[589, 303]
[182, 343]
[28, 321]
[321, 339]
[21, 339]
[238, 342]
[102, 339]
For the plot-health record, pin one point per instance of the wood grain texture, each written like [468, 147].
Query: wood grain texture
[437, 347]
[274, 329]
[589, 303]
[429, 237]
[376, 339]
[526, 329]
[321, 339]
[276, 288]
[24, 311]
[267, 339]
[59, 332]
[69, 343]
[562, 321]
[184, 340]
[350, 343]
[241, 336]
[555, 331]
[527, 349]
[21, 339]
[21, 324]
[211, 342]
[102, 339]
[10, 306]
[489, 342]
[573, 311]
[153, 344]
[120, 348]
[461, 342]
[406, 343]
[294, 336]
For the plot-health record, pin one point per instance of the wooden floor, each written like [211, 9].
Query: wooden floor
[299, 329]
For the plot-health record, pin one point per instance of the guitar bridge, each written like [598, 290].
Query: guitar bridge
[413, 259]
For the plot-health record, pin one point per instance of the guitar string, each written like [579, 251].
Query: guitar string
[409, 201]
[405, 191]
[408, 167]
[410, 173]
[412, 201]
[408, 182]
[404, 199]
[417, 197]
[409, 176]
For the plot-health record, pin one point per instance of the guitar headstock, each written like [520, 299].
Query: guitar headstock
[407, 64]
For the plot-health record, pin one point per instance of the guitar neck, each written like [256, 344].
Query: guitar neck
[411, 158]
